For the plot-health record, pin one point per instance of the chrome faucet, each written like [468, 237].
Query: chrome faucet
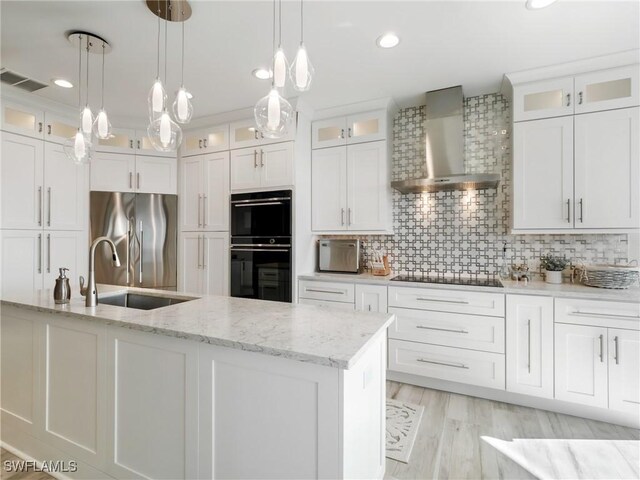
[90, 292]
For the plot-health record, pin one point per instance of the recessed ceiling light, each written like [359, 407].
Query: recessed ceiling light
[61, 82]
[537, 4]
[388, 40]
[262, 73]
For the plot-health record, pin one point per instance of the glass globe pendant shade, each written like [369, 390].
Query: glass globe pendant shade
[164, 133]
[102, 125]
[157, 100]
[86, 120]
[279, 68]
[182, 108]
[78, 148]
[301, 70]
[273, 114]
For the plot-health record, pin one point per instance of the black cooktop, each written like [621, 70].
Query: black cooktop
[449, 280]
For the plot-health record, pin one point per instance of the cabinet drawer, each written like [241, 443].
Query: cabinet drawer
[332, 291]
[598, 313]
[449, 329]
[327, 304]
[454, 301]
[448, 363]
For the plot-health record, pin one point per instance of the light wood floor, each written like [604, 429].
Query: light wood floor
[448, 444]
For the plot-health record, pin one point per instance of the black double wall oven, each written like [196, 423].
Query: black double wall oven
[261, 245]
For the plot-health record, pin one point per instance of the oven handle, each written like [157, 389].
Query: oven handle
[261, 204]
[257, 200]
[268, 245]
[260, 249]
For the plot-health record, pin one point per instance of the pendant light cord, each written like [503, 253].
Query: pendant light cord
[166, 22]
[79, 70]
[301, 22]
[279, 23]
[182, 74]
[102, 106]
[87, 96]
[158, 45]
[273, 45]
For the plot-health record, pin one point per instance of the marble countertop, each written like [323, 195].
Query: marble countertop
[534, 287]
[305, 333]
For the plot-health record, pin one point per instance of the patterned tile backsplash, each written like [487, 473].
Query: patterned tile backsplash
[463, 232]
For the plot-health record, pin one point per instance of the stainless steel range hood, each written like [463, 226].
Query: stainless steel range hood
[444, 149]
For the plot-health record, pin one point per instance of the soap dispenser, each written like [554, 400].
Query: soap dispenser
[62, 290]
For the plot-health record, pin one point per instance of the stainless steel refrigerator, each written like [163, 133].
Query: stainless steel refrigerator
[144, 228]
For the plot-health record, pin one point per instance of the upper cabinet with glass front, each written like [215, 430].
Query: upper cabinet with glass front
[363, 127]
[22, 120]
[245, 134]
[546, 99]
[607, 89]
[208, 140]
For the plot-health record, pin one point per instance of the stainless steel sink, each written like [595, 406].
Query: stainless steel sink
[141, 301]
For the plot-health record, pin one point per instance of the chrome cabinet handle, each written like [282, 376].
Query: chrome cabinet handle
[138, 180]
[580, 98]
[141, 250]
[49, 207]
[200, 143]
[255, 159]
[529, 345]
[199, 210]
[48, 253]
[39, 127]
[369, 307]
[581, 215]
[138, 143]
[203, 252]
[199, 252]
[349, 132]
[441, 329]
[601, 337]
[601, 315]
[130, 179]
[568, 99]
[568, 210]
[342, 133]
[130, 143]
[205, 143]
[48, 129]
[319, 290]
[616, 355]
[441, 300]
[255, 134]
[261, 158]
[342, 216]
[349, 216]
[40, 206]
[204, 210]
[39, 253]
[456, 365]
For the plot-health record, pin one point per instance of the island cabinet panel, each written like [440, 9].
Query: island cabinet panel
[74, 386]
[152, 384]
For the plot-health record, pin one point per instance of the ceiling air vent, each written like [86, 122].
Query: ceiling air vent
[19, 81]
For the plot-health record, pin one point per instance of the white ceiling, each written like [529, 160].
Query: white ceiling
[442, 43]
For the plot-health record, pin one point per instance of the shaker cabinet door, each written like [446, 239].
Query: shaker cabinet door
[191, 187]
[215, 203]
[113, 172]
[608, 89]
[624, 368]
[216, 264]
[546, 99]
[22, 262]
[329, 189]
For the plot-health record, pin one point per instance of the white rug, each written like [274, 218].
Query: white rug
[403, 420]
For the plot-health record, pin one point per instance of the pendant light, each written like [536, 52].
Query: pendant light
[102, 126]
[157, 99]
[273, 113]
[279, 58]
[182, 108]
[86, 116]
[301, 71]
[78, 147]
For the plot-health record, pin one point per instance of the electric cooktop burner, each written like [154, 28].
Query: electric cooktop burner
[470, 281]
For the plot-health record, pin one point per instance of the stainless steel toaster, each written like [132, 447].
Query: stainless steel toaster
[339, 256]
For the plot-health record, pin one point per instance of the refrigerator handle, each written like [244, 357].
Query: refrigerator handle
[141, 248]
[128, 260]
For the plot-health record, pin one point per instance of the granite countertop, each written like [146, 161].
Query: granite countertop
[306, 333]
[534, 287]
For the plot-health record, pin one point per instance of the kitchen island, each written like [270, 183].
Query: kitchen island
[212, 387]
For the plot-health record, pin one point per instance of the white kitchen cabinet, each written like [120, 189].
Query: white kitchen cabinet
[207, 140]
[581, 364]
[371, 298]
[144, 146]
[21, 181]
[244, 134]
[357, 128]
[327, 291]
[452, 301]
[529, 342]
[65, 249]
[204, 192]
[117, 172]
[156, 175]
[624, 370]
[22, 120]
[607, 169]
[122, 140]
[329, 189]
[607, 89]
[328, 304]
[204, 265]
[543, 99]
[22, 261]
[267, 166]
[543, 174]
[59, 129]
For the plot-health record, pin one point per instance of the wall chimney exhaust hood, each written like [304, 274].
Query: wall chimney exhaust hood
[444, 148]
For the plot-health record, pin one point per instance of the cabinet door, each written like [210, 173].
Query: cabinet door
[22, 120]
[215, 203]
[367, 186]
[581, 364]
[367, 127]
[550, 98]
[371, 298]
[607, 89]
[156, 175]
[216, 264]
[66, 191]
[21, 181]
[21, 262]
[329, 189]
[190, 264]
[215, 139]
[245, 169]
[112, 172]
[191, 188]
[59, 129]
[543, 174]
[244, 134]
[145, 147]
[624, 370]
[65, 249]
[530, 345]
[276, 165]
[121, 141]
[607, 169]
[329, 133]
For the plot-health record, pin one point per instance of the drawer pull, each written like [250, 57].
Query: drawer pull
[601, 315]
[427, 299]
[441, 329]
[456, 365]
[325, 291]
